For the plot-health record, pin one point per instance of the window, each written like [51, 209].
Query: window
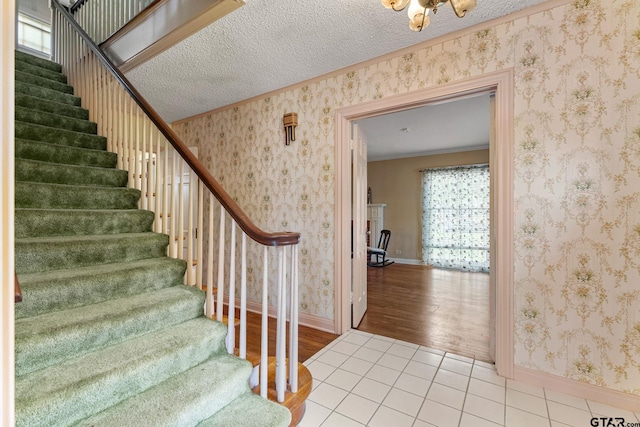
[455, 217]
[34, 34]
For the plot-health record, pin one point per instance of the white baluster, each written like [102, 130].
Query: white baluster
[243, 299]
[181, 220]
[231, 327]
[171, 177]
[209, 305]
[281, 338]
[221, 237]
[293, 322]
[199, 235]
[190, 229]
[264, 342]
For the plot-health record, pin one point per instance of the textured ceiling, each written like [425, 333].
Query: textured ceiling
[429, 130]
[266, 45]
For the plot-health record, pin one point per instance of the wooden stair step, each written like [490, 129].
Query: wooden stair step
[295, 402]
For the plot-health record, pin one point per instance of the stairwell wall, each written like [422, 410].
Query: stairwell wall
[577, 226]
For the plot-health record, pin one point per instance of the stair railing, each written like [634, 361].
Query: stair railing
[188, 202]
[101, 19]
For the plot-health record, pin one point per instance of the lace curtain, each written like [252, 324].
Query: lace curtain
[455, 217]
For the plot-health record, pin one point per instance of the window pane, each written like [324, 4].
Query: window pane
[455, 217]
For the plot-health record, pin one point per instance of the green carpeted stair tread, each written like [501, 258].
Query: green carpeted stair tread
[63, 154]
[63, 289]
[55, 173]
[51, 338]
[49, 106]
[37, 254]
[59, 196]
[35, 132]
[40, 62]
[78, 388]
[43, 82]
[57, 121]
[36, 70]
[78, 222]
[250, 410]
[182, 400]
[47, 94]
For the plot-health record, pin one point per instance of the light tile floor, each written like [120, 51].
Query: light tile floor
[362, 379]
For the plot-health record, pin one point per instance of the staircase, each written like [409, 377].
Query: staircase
[107, 334]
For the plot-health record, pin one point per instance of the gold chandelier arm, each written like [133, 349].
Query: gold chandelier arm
[461, 11]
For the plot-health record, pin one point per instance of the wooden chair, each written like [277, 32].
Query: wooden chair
[380, 252]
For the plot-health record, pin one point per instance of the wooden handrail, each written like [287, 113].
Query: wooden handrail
[268, 239]
[18, 291]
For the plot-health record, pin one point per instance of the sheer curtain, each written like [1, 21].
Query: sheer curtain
[455, 217]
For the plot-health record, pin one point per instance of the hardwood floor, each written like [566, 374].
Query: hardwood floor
[442, 309]
[310, 341]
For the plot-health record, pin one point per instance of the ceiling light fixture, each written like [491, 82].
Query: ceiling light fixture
[419, 9]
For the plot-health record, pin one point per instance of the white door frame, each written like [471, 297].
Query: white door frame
[502, 160]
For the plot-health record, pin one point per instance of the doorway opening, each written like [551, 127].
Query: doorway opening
[501, 294]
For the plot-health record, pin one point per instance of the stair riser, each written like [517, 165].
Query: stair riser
[51, 196]
[47, 94]
[40, 72]
[55, 173]
[55, 121]
[39, 62]
[70, 338]
[48, 106]
[151, 360]
[36, 132]
[42, 82]
[44, 293]
[46, 255]
[40, 222]
[47, 152]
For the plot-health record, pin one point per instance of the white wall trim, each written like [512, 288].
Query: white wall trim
[407, 261]
[7, 153]
[502, 158]
[304, 319]
[604, 395]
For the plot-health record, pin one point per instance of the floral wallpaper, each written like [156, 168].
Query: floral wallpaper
[576, 164]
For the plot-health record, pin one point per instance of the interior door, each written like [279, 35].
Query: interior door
[359, 221]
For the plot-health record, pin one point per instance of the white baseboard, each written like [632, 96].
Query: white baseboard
[407, 261]
[607, 396]
[315, 322]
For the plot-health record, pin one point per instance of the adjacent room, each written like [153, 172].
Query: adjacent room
[429, 185]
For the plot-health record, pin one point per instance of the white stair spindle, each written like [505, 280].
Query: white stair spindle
[293, 322]
[231, 326]
[243, 299]
[199, 234]
[264, 341]
[281, 335]
[221, 238]
[179, 242]
[190, 244]
[209, 305]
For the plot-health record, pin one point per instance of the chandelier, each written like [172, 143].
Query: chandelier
[419, 9]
